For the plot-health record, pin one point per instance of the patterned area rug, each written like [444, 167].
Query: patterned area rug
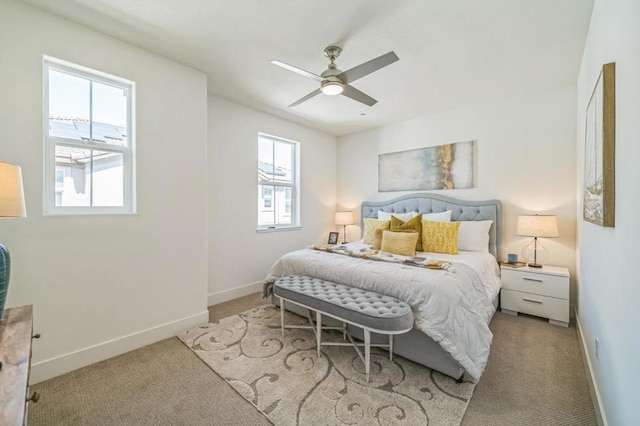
[286, 381]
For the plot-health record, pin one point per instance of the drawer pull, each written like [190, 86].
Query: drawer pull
[532, 300]
[35, 397]
[532, 279]
[36, 336]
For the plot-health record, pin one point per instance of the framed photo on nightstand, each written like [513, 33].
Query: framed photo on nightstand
[333, 238]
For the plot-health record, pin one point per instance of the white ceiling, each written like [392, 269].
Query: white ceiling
[452, 53]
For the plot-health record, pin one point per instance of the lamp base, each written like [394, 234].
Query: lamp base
[5, 266]
[535, 254]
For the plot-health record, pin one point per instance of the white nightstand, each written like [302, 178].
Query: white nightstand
[543, 292]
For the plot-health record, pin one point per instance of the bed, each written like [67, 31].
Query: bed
[468, 309]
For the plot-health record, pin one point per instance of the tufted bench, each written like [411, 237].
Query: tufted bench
[373, 312]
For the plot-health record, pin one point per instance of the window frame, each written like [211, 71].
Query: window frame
[50, 142]
[294, 185]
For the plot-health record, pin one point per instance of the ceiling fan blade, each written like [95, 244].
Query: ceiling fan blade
[307, 97]
[298, 71]
[355, 94]
[349, 76]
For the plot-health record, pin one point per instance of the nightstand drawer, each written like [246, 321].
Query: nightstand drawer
[533, 304]
[536, 283]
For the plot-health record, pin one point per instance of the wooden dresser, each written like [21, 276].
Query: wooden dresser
[16, 330]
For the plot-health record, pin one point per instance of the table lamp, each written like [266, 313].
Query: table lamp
[11, 206]
[545, 226]
[344, 219]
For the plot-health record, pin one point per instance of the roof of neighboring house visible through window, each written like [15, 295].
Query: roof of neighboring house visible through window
[78, 129]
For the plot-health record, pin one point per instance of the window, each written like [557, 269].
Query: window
[278, 183]
[89, 150]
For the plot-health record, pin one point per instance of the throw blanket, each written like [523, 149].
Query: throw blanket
[382, 256]
[451, 308]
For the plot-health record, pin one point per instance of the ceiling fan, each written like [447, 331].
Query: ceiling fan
[335, 82]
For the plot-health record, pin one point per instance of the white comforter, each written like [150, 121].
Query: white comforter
[453, 308]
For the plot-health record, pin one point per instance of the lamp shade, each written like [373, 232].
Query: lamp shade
[344, 218]
[11, 192]
[538, 226]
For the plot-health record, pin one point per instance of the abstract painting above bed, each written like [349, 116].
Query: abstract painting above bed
[448, 166]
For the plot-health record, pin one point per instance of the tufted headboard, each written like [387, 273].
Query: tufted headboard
[424, 202]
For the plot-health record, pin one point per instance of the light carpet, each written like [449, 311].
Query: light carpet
[284, 379]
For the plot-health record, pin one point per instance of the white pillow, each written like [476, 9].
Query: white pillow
[402, 216]
[474, 235]
[438, 217]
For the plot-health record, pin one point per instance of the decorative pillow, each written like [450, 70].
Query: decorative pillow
[403, 243]
[474, 235]
[438, 217]
[402, 216]
[414, 224]
[440, 237]
[370, 226]
[377, 240]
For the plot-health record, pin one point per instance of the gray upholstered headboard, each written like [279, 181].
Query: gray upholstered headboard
[433, 203]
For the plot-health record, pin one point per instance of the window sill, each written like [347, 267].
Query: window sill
[100, 212]
[278, 228]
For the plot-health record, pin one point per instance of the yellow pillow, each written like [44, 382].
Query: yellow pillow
[370, 226]
[377, 240]
[411, 224]
[403, 243]
[440, 237]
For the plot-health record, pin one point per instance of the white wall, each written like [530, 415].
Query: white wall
[525, 158]
[609, 287]
[239, 257]
[103, 285]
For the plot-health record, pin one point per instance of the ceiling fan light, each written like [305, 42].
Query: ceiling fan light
[332, 88]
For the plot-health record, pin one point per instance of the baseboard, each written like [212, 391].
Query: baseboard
[234, 293]
[62, 364]
[601, 417]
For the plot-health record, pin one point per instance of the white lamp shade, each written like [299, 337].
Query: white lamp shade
[538, 226]
[344, 218]
[11, 192]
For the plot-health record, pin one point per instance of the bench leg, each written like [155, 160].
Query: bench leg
[344, 331]
[282, 315]
[319, 331]
[367, 352]
[391, 347]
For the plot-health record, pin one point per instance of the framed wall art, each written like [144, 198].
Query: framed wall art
[447, 166]
[599, 155]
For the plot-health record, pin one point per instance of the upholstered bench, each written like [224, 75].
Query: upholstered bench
[373, 312]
